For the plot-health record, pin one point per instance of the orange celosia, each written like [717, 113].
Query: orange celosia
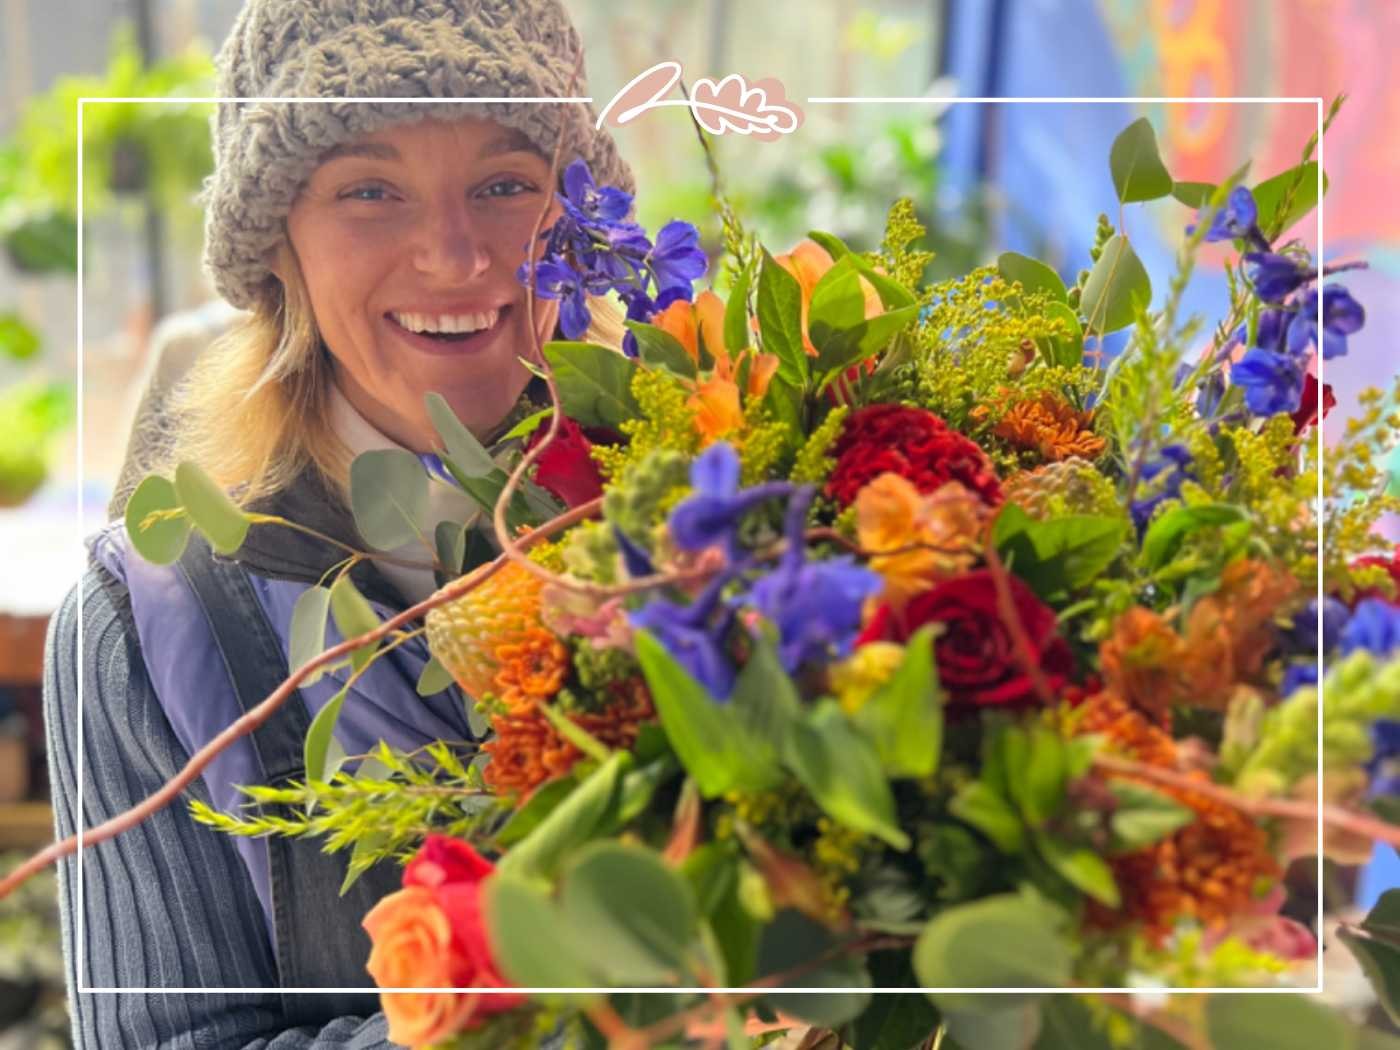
[1209, 870]
[1049, 426]
[528, 750]
[940, 530]
[531, 670]
[809, 262]
[1141, 661]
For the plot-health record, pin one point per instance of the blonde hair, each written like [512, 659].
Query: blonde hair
[255, 443]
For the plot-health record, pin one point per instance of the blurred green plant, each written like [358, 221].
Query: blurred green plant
[35, 414]
[31, 964]
[128, 148]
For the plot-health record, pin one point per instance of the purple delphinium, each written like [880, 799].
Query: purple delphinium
[1272, 382]
[1174, 466]
[1374, 626]
[1274, 276]
[815, 605]
[694, 635]
[713, 514]
[1341, 316]
[593, 249]
[1237, 218]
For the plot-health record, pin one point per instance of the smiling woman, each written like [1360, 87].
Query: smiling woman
[376, 247]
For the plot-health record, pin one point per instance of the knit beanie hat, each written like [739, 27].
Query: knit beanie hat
[264, 151]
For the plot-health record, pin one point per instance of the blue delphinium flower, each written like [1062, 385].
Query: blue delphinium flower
[1272, 333]
[1384, 766]
[676, 260]
[1303, 634]
[1174, 464]
[815, 606]
[1296, 676]
[1374, 626]
[1272, 382]
[694, 635]
[1275, 277]
[1341, 316]
[593, 249]
[1236, 218]
[713, 514]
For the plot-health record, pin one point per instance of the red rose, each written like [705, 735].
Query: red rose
[432, 934]
[1307, 413]
[565, 469]
[976, 653]
[913, 443]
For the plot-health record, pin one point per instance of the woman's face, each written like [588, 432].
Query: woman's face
[419, 229]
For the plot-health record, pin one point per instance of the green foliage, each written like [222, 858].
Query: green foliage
[353, 617]
[1118, 289]
[1002, 941]
[384, 809]
[808, 955]
[389, 497]
[1136, 166]
[595, 383]
[904, 717]
[210, 510]
[156, 521]
[779, 308]
[1061, 555]
[1375, 942]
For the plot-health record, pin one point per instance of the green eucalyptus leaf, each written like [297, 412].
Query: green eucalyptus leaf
[307, 637]
[1276, 1022]
[1193, 194]
[662, 349]
[840, 768]
[792, 940]
[1375, 942]
[780, 321]
[1136, 165]
[1034, 275]
[595, 383]
[353, 617]
[636, 914]
[320, 734]
[461, 445]
[450, 542]
[575, 820]
[1014, 1027]
[1003, 941]
[1117, 290]
[223, 524]
[904, 717]
[434, 678]
[530, 939]
[700, 730]
[389, 497]
[164, 541]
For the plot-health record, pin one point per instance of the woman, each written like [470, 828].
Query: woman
[375, 247]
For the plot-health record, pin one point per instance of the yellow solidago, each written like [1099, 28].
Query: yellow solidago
[814, 462]
[667, 422]
[855, 679]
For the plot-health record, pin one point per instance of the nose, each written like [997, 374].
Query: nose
[447, 244]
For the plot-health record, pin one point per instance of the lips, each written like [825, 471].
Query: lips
[458, 344]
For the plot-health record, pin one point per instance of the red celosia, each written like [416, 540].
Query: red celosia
[913, 443]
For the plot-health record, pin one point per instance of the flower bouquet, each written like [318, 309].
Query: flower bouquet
[852, 630]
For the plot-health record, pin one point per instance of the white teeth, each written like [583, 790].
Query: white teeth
[447, 323]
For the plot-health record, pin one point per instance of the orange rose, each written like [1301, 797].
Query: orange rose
[431, 934]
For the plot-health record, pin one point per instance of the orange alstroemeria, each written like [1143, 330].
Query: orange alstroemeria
[716, 399]
[928, 537]
[808, 262]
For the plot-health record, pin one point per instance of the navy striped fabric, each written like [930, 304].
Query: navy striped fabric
[168, 904]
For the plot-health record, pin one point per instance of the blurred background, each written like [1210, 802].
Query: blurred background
[984, 177]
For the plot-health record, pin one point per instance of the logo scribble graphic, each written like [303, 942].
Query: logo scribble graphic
[760, 109]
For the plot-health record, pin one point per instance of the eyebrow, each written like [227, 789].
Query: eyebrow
[512, 142]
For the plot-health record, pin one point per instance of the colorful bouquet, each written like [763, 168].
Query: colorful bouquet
[853, 630]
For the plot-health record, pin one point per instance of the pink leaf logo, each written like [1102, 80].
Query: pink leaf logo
[760, 109]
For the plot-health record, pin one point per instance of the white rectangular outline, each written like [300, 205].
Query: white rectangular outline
[820, 100]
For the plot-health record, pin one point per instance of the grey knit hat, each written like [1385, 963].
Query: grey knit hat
[264, 151]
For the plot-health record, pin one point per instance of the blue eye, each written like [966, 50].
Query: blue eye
[519, 186]
[354, 195]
